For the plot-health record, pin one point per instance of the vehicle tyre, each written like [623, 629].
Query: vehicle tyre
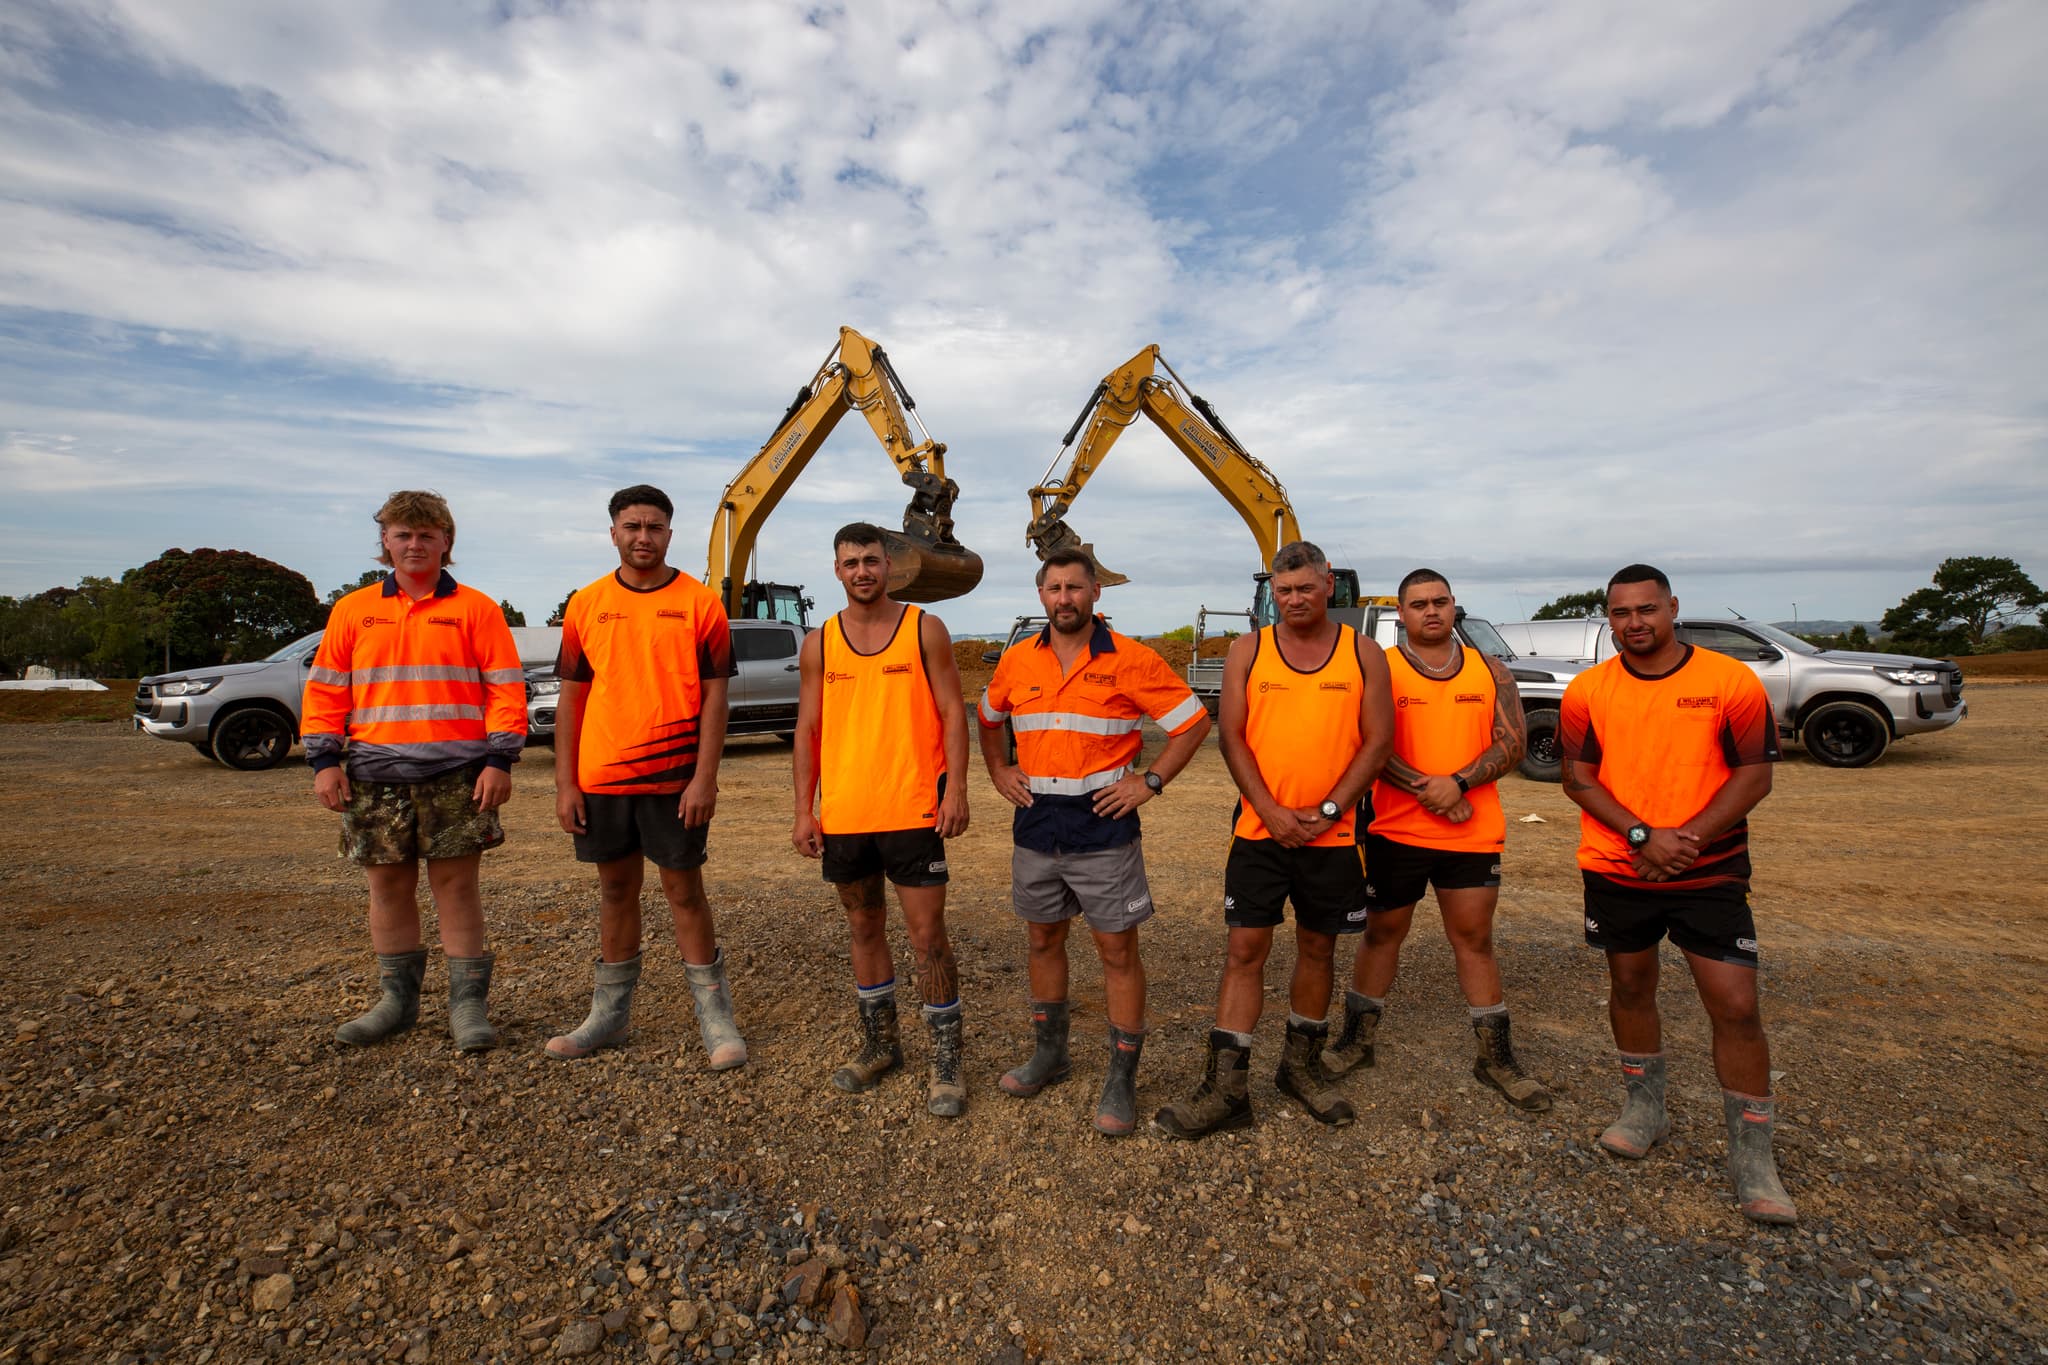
[1543, 760]
[252, 739]
[205, 748]
[786, 736]
[1845, 734]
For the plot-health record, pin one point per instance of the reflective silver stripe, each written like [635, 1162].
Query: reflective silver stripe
[504, 675]
[1078, 786]
[507, 742]
[1076, 723]
[1180, 715]
[990, 714]
[420, 673]
[371, 715]
[327, 675]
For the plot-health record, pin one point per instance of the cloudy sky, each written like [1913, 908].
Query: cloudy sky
[1523, 289]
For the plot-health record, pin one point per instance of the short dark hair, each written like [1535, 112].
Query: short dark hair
[1299, 554]
[1420, 576]
[859, 533]
[1066, 555]
[641, 495]
[1640, 573]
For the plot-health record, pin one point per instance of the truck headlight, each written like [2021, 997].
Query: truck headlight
[544, 687]
[186, 687]
[1915, 677]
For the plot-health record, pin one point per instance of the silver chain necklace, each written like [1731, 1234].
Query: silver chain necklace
[1448, 670]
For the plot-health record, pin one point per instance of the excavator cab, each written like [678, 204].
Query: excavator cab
[1344, 600]
[775, 602]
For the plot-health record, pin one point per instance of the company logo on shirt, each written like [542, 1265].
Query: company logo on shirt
[369, 621]
[1699, 703]
[672, 613]
[1272, 687]
[444, 620]
[1333, 687]
[1405, 702]
[832, 677]
[605, 618]
[887, 669]
[1100, 679]
[1469, 697]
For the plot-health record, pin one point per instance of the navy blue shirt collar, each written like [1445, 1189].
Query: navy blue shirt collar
[444, 586]
[1100, 642]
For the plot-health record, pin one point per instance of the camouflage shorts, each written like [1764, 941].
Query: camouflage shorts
[396, 822]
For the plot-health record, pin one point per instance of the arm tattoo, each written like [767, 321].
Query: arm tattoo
[1510, 730]
[1572, 780]
[1399, 772]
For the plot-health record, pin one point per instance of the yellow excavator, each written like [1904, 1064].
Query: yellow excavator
[927, 564]
[1198, 433]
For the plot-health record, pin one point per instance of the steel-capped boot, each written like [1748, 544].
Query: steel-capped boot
[1223, 1099]
[1496, 1065]
[1049, 1063]
[713, 999]
[1353, 1046]
[881, 1046]
[1751, 1163]
[1643, 1123]
[1117, 1112]
[469, 981]
[1301, 1077]
[611, 1010]
[946, 1094]
[398, 1009]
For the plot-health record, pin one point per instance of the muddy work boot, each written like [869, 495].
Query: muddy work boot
[1222, 1101]
[713, 998]
[1496, 1065]
[946, 1094]
[1751, 1164]
[1353, 1046]
[1643, 1123]
[1301, 1077]
[469, 981]
[399, 974]
[881, 1047]
[1049, 1063]
[611, 1008]
[1116, 1114]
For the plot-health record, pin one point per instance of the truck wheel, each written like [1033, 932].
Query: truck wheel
[251, 739]
[1845, 734]
[1543, 761]
[205, 748]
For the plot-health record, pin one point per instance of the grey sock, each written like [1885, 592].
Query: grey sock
[1302, 1021]
[1237, 1039]
[1487, 1011]
[1370, 1004]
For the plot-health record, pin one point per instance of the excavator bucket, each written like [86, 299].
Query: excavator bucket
[922, 570]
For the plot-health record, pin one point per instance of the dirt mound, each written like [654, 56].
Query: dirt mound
[2022, 665]
[52, 708]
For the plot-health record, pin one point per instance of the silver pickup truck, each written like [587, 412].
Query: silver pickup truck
[761, 699]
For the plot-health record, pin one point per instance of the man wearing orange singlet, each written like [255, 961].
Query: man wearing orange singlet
[1437, 822]
[881, 742]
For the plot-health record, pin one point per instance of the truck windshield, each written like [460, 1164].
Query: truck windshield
[1784, 639]
[1484, 638]
[297, 649]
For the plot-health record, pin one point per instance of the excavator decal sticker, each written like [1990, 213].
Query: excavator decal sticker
[1200, 440]
[789, 443]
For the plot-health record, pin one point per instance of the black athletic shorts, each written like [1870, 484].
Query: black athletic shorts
[908, 857]
[1327, 886]
[1396, 874]
[616, 827]
[1710, 921]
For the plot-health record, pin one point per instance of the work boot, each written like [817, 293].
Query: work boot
[1049, 1063]
[1643, 1123]
[611, 1008]
[399, 974]
[1353, 1047]
[1496, 1065]
[1301, 1075]
[1751, 1164]
[946, 1093]
[469, 981]
[881, 1046]
[713, 998]
[1117, 1112]
[1221, 1101]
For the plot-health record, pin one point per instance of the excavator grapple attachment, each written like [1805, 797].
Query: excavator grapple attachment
[929, 571]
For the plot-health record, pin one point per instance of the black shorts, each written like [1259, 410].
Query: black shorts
[1327, 886]
[1708, 921]
[1396, 874]
[907, 857]
[617, 827]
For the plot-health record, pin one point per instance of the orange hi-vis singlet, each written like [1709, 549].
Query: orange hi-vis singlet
[1302, 729]
[1440, 725]
[881, 747]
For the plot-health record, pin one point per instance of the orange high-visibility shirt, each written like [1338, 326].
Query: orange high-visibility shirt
[416, 689]
[881, 747]
[1303, 729]
[1440, 725]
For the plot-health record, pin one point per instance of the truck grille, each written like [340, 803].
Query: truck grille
[1952, 686]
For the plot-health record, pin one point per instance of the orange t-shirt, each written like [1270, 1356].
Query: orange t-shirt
[644, 652]
[881, 747]
[1664, 746]
[1440, 725]
[1303, 730]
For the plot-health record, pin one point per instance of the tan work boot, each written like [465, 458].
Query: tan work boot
[881, 1047]
[1221, 1101]
[1301, 1077]
[1496, 1065]
[1353, 1045]
[946, 1093]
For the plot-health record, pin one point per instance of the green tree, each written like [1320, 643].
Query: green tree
[227, 606]
[119, 624]
[2015, 638]
[35, 630]
[1972, 594]
[563, 610]
[368, 577]
[1575, 606]
[1184, 633]
[513, 616]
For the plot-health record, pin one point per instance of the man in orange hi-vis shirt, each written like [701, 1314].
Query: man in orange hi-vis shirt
[415, 710]
[1306, 724]
[646, 653]
[881, 750]
[1437, 822]
[1667, 748]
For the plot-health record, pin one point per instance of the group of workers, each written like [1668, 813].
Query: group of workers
[1366, 776]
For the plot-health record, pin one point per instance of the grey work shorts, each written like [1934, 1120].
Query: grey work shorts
[1106, 887]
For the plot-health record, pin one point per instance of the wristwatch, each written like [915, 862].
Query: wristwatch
[1329, 810]
[1638, 834]
[1155, 782]
[1463, 785]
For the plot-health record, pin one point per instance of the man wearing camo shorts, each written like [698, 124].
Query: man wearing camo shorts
[415, 710]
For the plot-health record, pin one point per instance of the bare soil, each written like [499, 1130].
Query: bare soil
[191, 1169]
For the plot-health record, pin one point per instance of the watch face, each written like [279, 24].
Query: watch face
[1330, 809]
[1638, 835]
[1154, 781]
